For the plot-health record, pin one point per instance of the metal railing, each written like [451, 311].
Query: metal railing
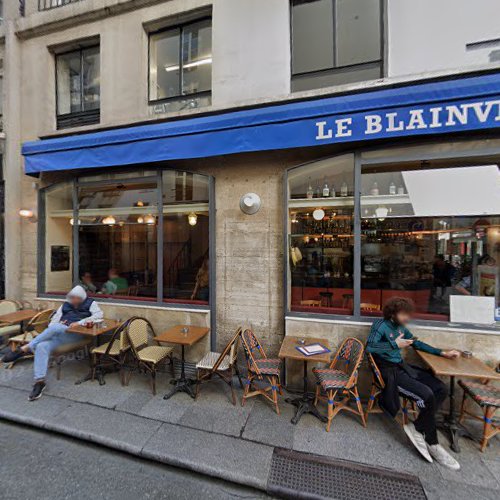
[53, 4]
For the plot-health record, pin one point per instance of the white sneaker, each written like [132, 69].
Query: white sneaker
[418, 440]
[443, 457]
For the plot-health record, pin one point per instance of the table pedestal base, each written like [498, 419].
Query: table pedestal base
[182, 385]
[454, 432]
[305, 404]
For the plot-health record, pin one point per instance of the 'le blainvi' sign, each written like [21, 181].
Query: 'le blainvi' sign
[404, 121]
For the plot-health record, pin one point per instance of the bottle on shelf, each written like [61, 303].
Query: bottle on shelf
[326, 190]
[392, 188]
[332, 191]
[401, 190]
[310, 191]
[374, 191]
[344, 190]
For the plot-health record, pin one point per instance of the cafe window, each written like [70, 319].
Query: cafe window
[78, 87]
[335, 42]
[129, 238]
[180, 65]
[428, 230]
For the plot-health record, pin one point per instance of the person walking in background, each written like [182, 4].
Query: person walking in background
[77, 310]
[388, 337]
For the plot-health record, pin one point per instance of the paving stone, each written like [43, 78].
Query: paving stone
[136, 400]
[170, 410]
[222, 456]
[14, 405]
[112, 428]
[494, 467]
[266, 426]
[446, 490]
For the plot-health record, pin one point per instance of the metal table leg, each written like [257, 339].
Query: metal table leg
[305, 403]
[182, 384]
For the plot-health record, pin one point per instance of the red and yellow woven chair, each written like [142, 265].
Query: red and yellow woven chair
[487, 396]
[340, 380]
[378, 386]
[260, 369]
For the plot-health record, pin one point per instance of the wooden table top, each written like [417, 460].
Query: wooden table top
[288, 349]
[111, 325]
[459, 367]
[18, 316]
[175, 335]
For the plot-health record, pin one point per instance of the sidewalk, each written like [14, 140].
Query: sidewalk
[235, 443]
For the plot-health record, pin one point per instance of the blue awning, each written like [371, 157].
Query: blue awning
[471, 103]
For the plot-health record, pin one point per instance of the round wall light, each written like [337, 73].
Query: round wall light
[192, 219]
[319, 214]
[109, 220]
[250, 203]
[140, 220]
[26, 213]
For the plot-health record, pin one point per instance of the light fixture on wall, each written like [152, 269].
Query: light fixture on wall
[140, 220]
[27, 214]
[149, 219]
[109, 220]
[250, 203]
[318, 214]
[192, 219]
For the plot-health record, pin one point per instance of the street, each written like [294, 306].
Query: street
[37, 464]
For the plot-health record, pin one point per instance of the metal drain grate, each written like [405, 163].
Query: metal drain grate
[301, 475]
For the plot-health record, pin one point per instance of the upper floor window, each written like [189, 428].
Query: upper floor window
[335, 42]
[78, 87]
[180, 67]
[53, 4]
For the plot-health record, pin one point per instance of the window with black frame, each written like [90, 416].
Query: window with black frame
[335, 42]
[180, 65]
[126, 243]
[78, 87]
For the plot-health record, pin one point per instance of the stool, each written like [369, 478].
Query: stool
[328, 298]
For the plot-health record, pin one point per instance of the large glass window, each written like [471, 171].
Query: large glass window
[78, 87]
[126, 241]
[428, 230]
[335, 42]
[181, 64]
[320, 227]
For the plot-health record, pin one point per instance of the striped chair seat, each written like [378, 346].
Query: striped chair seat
[154, 353]
[23, 337]
[267, 366]
[330, 378]
[208, 361]
[114, 351]
[482, 394]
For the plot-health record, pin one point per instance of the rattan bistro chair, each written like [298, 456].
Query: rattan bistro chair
[6, 330]
[113, 353]
[35, 326]
[146, 357]
[224, 365]
[487, 396]
[340, 380]
[260, 369]
[378, 385]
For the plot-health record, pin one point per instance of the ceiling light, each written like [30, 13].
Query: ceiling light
[194, 64]
[140, 220]
[149, 219]
[318, 214]
[192, 219]
[109, 220]
[381, 213]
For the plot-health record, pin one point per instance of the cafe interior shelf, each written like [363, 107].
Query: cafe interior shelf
[348, 201]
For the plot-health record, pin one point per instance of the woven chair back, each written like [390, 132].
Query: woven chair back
[138, 332]
[230, 350]
[349, 356]
[377, 376]
[8, 306]
[40, 321]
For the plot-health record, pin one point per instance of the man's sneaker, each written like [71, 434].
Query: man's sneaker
[443, 457]
[418, 440]
[12, 356]
[37, 390]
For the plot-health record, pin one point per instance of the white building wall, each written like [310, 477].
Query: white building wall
[432, 35]
[251, 47]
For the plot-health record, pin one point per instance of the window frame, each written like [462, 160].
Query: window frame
[76, 183]
[180, 97]
[359, 163]
[338, 69]
[93, 115]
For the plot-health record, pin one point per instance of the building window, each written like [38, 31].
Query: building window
[428, 230]
[78, 87]
[335, 42]
[143, 237]
[180, 68]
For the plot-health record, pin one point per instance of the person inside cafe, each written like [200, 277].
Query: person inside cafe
[201, 288]
[86, 283]
[115, 283]
[388, 338]
[78, 309]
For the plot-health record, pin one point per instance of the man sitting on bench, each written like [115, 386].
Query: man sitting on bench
[78, 309]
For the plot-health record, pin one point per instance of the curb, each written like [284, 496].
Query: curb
[121, 446]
